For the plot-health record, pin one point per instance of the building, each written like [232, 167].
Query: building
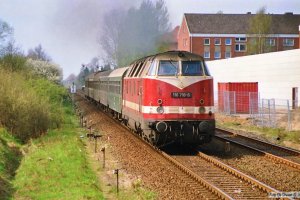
[277, 73]
[219, 36]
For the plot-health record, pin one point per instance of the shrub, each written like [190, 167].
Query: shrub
[29, 108]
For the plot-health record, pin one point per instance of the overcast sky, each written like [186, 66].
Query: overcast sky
[69, 29]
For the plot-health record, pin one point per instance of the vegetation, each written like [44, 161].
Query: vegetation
[129, 35]
[259, 29]
[10, 157]
[277, 135]
[56, 166]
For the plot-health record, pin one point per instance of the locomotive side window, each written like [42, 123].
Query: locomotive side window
[168, 68]
[134, 69]
[152, 69]
[139, 67]
[142, 68]
[192, 68]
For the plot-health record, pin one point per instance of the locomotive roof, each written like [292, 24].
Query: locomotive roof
[118, 72]
[183, 55]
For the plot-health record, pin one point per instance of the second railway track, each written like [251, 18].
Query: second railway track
[277, 153]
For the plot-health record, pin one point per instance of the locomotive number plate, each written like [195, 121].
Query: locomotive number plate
[181, 94]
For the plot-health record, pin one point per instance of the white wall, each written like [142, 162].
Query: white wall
[276, 73]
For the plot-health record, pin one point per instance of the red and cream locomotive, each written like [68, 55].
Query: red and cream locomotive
[167, 97]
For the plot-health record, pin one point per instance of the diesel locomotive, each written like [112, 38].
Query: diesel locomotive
[165, 98]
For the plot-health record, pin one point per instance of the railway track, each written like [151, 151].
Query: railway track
[274, 152]
[212, 178]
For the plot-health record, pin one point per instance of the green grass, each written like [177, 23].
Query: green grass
[56, 167]
[270, 133]
[9, 161]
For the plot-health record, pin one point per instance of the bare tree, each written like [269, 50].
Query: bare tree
[5, 31]
[130, 35]
[259, 29]
[38, 53]
[110, 35]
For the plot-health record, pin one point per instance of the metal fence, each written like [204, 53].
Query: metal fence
[275, 113]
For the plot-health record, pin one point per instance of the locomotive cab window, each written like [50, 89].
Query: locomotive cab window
[192, 68]
[168, 68]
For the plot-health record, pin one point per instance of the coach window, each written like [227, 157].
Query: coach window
[192, 68]
[168, 68]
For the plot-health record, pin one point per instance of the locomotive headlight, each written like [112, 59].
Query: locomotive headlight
[201, 101]
[202, 109]
[160, 110]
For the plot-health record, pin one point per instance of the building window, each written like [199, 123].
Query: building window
[217, 54]
[270, 41]
[206, 54]
[240, 47]
[227, 54]
[241, 39]
[217, 41]
[228, 41]
[206, 41]
[288, 42]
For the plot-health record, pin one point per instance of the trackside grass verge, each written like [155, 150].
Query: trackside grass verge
[55, 166]
[10, 157]
[275, 135]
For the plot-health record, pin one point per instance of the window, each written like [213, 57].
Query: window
[139, 67]
[227, 54]
[152, 69]
[241, 39]
[240, 47]
[192, 68]
[168, 68]
[206, 41]
[206, 54]
[133, 69]
[217, 41]
[228, 41]
[217, 54]
[288, 42]
[270, 41]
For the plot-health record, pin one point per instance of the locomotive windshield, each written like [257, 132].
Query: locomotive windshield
[168, 68]
[192, 68]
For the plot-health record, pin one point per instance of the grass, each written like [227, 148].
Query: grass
[9, 161]
[56, 167]
[278, 135]
[135, 194]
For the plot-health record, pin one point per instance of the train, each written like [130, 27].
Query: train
[164, 98]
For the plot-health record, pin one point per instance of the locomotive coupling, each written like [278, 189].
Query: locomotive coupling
[161, 127]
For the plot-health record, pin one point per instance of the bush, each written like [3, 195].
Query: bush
[29, 108]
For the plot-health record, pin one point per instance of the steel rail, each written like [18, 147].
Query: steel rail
[274, 146]
[268, 155]
[209, 186]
